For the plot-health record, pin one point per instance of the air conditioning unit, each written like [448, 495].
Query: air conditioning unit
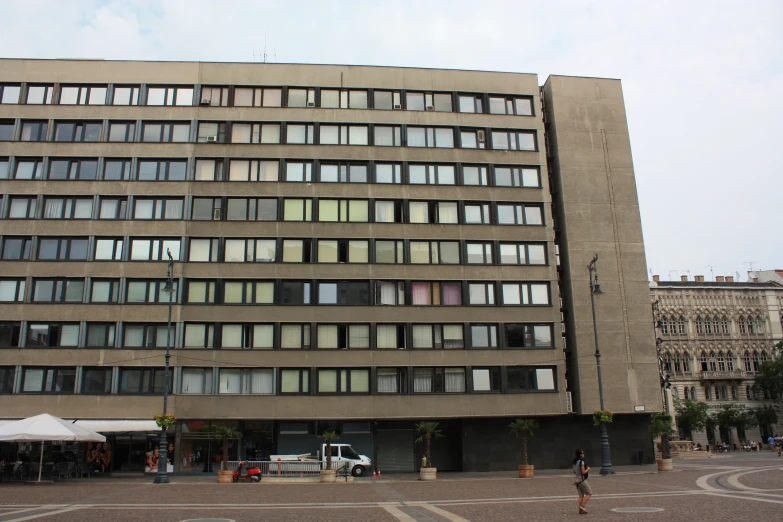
[397, 106]
[429, 108]
[480, 136]
[216, 214]
[206, 101]
[311, 104]
[212, 139]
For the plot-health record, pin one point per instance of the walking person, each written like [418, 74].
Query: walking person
[580, 481]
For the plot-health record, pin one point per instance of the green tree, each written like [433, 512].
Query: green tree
[328, 437]
[766, 417]
[691, 415]
[223, 434]
[769, 378]
[730, 416]
[427, 431]
[523, 429]
[661, 426]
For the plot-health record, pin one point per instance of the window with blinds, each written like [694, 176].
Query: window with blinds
[196, 381]
[248, 336]
[247, 381]
[352, 336]
[390, 337]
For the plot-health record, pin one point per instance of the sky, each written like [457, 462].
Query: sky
[703, 83]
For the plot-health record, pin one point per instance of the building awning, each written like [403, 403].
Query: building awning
[119, 426]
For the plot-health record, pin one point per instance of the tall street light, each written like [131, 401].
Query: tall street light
[595, 289]
[163, 477]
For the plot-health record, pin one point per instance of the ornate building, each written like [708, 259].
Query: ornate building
[713, 338]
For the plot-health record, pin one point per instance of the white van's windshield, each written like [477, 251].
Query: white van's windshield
[349, 453]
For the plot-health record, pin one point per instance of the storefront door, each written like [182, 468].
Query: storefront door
[130, 453]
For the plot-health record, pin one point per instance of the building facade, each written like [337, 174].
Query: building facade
[714, 337]
[354, 248]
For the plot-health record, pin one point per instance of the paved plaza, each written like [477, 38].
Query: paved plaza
[740, 486]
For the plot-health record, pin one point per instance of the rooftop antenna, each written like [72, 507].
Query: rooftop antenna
[263, 55]
[750, 264]
[670, 274]
[712, 274]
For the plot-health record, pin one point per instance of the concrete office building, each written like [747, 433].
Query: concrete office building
[356, 248]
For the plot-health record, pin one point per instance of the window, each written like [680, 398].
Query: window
[10, 333]
[439, 137]
[298, 171]
[214, 96]
[67, 208]
[165, 132]
[344, 293]
[7, 374]
[433, 212]
[145, 249]
[431, 175]
[437, 293]
[481, 293]
[105, 291]
[486, 379]
[294, 380]
[343, 173]
[420, 101]
[294, 293]
[4, 174]
[343, 210]
[529, 336]
[117, 170]
[391, 380]
[343, 251]
[196, 381]
[388, 211]
[161, 208]
[108, 249]
[343, 135]
[477, 214]
[31, 131]
[479, 253]
[512, 140]
[519, 214]
[471, 103]
[708, 393]
[299, 134]
[200, 292]
[60, 249]
[434, 252]
[341, 336]
[16, 248]
[204, 250]
[52, 335]
[297, 209]
[11, 291]
[725, 325]
[511, 105]
[206, 209]
[484, 336]
[250, 250]
[388, 136]
[247, 381]
[295, 336]
[390, 337]
[39, 94]
[240, 209]
[343, 99]
[149, 291]
[387, 100]
[7, 130]
[248, 336]
[112, 208]
[58, 290]
[143, 380]
[248, 292]
[388, 173]
[49, 380]
[472, 138]
[22, 207]
[255, 133]
[84, 95]
[474, 175]
[390, 293]
[181, 96]
[253, 170]
[29, 169]
[389, 251]
[530, 378]
[438, 380]
[126, 95]
[145, 335]
[73, 169]
[438, 336]
[522, 254]
[208, 170]
[301, 97]
[199, 335]
[343, 380]
[9, 94]
[77, 131]
[100, 335]
[96, 381]
[122, 131]
[258, 97]
[296, 251]
[525, 294]
[162, 170]
[517, 177]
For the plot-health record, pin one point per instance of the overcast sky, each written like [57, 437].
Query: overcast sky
[703, 83]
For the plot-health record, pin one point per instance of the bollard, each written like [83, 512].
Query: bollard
[279, 466]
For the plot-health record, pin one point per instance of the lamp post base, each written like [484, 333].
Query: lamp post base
[606, 458]
[161, 479]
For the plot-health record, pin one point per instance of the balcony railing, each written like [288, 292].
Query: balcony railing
[725, 374]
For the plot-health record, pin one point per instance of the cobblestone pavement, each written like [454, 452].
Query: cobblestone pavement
[734, 487]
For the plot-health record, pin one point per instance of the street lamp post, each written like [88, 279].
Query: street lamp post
[163, 477]
[595, 288]
[664, 378]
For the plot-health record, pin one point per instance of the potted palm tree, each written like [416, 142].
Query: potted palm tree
[427, 431]
[523, 429]
[328, 474]
[223, 434]
[661, 426]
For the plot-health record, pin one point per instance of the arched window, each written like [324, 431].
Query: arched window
[704, 362]
[677, 363]
[730, 361]
[734, 393]
[717, 393]
[763, 356]
[748, 365]
[725, 324]
[667, 362]
[675, 393]
[713, 364]
[665, 325]
[707, 325]
[686, 362]
[749, 324]
[693, 393]
[715, 324]
[742, 328]
[748, 393]
[724, 395]
[759, 325]
[682, 324]
[687, 395]
[756, 363]
[707, 393]
[699, 325]
[721, 362]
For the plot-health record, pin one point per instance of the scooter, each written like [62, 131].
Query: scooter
[250, 475]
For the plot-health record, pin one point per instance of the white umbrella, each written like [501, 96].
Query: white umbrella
[46, 427]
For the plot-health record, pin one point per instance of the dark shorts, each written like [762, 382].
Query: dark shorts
[584, 488]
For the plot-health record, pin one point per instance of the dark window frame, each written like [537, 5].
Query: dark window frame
[55, 372]
[68, 242]
[74, 170]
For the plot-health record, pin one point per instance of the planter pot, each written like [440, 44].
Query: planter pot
[428, 474]
[329, 476]
[525, 471]
[664, 464]
[225, 476]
